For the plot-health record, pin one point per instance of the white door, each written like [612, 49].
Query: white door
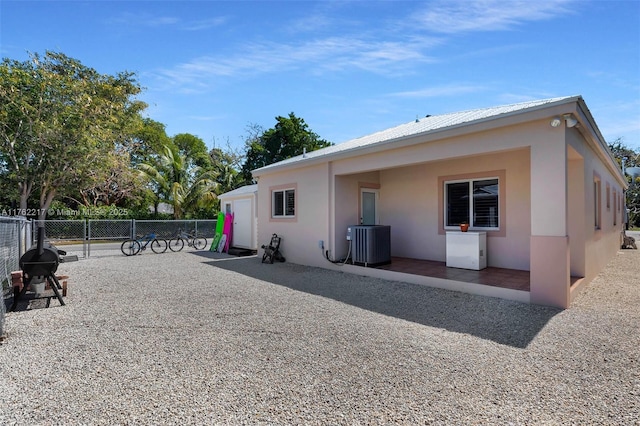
[369, 206]
[242, 225]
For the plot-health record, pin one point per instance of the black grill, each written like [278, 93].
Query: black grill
[39, 264]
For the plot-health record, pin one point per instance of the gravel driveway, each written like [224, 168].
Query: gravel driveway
[188, 338]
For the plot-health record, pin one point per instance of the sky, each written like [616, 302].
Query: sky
[215, 69]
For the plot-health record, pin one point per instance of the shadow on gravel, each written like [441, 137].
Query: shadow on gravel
[502, 321]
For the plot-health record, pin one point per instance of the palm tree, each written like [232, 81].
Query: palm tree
[180, 183]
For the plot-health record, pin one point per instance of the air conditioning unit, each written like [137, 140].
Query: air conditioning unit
[370, 244]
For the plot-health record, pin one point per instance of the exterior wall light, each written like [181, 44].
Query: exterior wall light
[555, 122]
[571, 121]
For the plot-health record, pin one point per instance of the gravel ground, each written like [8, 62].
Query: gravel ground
[187, 338]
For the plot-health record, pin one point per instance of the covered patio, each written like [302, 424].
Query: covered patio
[497, 277]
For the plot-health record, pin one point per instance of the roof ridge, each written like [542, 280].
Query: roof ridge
[514, 104]
[429, 124]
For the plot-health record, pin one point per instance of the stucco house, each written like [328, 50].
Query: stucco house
[536, 179]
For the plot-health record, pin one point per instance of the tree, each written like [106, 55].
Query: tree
[115, 185]
[20, 115]
[187, 188]
[226, 164]
[290, 137]
[58, 121]
[627, 157]
[193, 148]
[147, 139]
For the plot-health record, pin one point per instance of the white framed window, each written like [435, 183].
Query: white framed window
[283, 203]
[474, 201]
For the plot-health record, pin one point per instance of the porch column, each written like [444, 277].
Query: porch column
[549, 245]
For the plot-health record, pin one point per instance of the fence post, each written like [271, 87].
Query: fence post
[89, 239]
[86, 243]
[21, 227]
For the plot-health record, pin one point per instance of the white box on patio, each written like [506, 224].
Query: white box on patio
[467, 250]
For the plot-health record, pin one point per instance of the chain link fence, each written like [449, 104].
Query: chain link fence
[97, 233]
[64, 232]
[15, 239]
[169, 229]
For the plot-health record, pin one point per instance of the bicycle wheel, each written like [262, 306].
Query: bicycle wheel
[158, 246]
[176, 244]
[130, 247]
[199, 243]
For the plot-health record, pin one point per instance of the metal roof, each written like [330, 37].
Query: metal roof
[243, 190]
[426, 125]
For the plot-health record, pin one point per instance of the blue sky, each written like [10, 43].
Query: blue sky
[213, 68]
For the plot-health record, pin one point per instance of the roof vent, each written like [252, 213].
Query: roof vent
[304, 152]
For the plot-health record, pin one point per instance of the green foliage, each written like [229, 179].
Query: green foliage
[146, 140]
[194, 149]
[58, 121]
[628, 157]
[290, 137]
[226, 165]
[188, 188]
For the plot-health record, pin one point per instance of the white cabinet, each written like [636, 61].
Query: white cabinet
[467, 250]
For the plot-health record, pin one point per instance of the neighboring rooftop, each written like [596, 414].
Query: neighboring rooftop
[426, 125]
[247, 189]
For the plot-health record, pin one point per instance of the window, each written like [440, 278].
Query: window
[473, 201]
[597, 202]
[615, 211]
[283, 203]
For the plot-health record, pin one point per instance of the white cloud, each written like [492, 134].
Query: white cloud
[143, 20]
[384, 51]
[333, 54]
[456, 16]
[152, 21]
[205, 24]
[439, 91]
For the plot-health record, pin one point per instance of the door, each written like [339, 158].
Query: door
[242, 224]
[369, 206]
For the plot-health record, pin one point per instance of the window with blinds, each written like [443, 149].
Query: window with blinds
[289, 202]
[475, 202]
[283, 203]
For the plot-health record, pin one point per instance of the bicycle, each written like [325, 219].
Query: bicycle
[177, 243]
[132, 247]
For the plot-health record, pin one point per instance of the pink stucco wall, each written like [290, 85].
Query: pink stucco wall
[300, 235]
[412, 204]
[599, 245]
